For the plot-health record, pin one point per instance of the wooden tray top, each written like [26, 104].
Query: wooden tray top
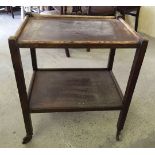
[75, 30]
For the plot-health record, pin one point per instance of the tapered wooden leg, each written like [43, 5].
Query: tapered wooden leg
[111, 59]
[67, 52]
[136, 66]
[33, 58]
[20, 80]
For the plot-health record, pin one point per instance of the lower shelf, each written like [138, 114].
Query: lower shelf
[54, 91]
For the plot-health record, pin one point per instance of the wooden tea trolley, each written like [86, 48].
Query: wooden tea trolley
[78, 89]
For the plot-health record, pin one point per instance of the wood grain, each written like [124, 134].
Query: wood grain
[64, 32]
[74, 91]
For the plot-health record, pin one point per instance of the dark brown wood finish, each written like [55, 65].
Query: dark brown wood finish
[136, 66]
[76, 31]
[130, 10]
[19, 75]
[74, 89]
[67, 52]
[33, 58]
[111, 58]
[103, 32]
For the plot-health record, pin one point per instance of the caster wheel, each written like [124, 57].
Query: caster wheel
[118, 135]
[26, 139]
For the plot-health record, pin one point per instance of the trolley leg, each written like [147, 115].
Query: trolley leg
[20, 80]
[136, 66]
[111, 59]
[33, 58]
[67, 52]
[137, 18]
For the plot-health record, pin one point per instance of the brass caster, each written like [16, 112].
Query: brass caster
[26, 139]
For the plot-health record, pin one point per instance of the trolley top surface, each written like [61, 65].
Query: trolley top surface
[77, 30]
